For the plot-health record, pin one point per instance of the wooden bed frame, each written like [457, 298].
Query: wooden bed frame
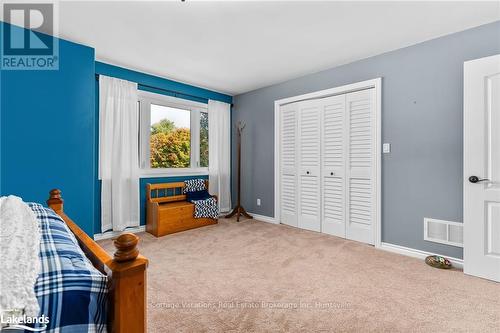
[126, 272]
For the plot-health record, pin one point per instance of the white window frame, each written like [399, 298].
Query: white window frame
[147, 98]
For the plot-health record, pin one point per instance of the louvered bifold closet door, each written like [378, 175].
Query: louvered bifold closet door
[289, 165]
[333, 165]
[361, 171]
[309, 165]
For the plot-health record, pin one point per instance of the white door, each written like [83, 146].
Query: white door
[309, 165]
[288, 172]
[482, 167]
[361, 173]
[333, 152]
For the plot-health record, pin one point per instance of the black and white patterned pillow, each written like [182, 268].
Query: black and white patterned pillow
[206, 208]
[193, 185]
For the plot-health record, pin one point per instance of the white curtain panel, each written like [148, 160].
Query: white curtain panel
[118, 153]
[219, 152]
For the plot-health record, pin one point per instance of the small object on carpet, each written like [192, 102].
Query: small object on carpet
[438, 262]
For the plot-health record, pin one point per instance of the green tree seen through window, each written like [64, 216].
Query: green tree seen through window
[163, 126]
[170, 146]
[203, 139]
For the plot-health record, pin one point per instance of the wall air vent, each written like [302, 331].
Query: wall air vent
[444, 232]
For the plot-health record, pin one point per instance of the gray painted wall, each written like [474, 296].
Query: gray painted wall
[421, 117]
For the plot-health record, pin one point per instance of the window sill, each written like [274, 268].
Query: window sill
[152, 173]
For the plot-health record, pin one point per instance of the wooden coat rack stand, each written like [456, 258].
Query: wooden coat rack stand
[239, 210]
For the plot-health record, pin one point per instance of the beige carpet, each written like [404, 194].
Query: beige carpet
[259, 277]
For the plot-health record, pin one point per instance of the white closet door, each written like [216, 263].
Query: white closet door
[288, 172]
[361, 162]
[333, 152]
[309, 165]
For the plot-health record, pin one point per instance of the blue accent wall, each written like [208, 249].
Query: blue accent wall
[48, 132]
[157, 85]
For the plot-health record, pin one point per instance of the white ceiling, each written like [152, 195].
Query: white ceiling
[235, 47]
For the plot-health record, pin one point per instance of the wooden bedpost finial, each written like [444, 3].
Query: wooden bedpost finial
[126, 247]
[55, 200]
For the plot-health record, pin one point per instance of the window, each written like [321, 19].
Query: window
[170, 137]
[173, 135]
[204, 139]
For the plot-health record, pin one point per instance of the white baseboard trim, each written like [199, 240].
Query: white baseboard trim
[407, 251]
[264, 218]
[112, 234]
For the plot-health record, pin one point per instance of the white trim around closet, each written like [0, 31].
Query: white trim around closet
[374, 83]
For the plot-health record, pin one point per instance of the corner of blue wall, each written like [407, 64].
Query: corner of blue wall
[154, 84]
[47, 132]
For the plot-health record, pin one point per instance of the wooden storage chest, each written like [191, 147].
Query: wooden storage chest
[170, 213]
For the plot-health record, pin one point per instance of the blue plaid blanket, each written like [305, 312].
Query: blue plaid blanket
[70, 291]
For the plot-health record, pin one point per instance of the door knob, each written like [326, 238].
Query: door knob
[476, 179]
[307, 172]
